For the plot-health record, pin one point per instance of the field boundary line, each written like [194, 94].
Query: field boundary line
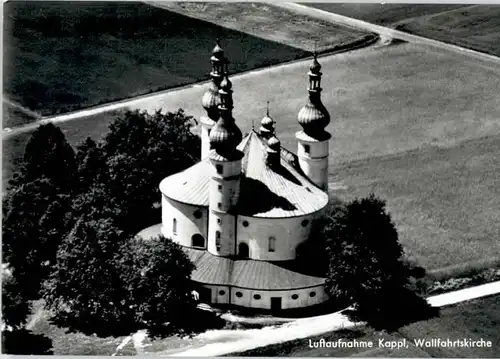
[362, 42]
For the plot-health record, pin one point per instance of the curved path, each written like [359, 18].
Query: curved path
[223, 342]
[384, 31]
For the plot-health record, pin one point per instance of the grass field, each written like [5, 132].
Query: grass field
[475, 27]
[384, 14]
[60, 56]
[472, 26]
[479, 319]
[418, 128]
[269, 22]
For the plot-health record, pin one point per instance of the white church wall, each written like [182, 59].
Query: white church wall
[305, 297]
[288, 233]
[190, 220]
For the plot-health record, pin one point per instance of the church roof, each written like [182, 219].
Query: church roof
[283, 191]
[247, 273]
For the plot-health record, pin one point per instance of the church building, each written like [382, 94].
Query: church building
[242, 211]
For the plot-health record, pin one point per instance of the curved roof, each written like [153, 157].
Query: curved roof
[242, 273]
[283, 191]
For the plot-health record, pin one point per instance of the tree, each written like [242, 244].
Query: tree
[366, 266]
[15, 309]
[141, 149]
[84, 289]
[34, 222]
[157, 274]
[48, 155]
[91, 165]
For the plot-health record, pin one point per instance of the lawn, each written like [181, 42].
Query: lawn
[410, 124]
[384, 14]
[476, 27]
[479, 319]
[60, 56]
[270, 23]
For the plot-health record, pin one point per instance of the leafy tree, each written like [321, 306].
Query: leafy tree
[141, 149]
[48, 155]
[157, 275]
[15, 309]
[33, 225]
[91, 165]
[366, 266]
[84, 289]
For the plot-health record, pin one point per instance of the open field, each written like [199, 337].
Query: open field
[399, 114]
[62, 56]
[268, 22]
[383, 14]
[472, 26]
[474, 320]
[475, 27]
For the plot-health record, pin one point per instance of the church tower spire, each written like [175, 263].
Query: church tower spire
[226, 175]
[313, 140]
[211, 98]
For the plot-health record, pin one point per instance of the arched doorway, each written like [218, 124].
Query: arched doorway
[243, 250]
[197, 240]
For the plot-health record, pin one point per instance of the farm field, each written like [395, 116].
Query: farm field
[472, 26]
[62, 56]
[407, 124]
[475, 27]
[384, 14]
[472, 320]
[268, 22]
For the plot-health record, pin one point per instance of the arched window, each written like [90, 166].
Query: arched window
[307, 149]
[197, 240]
[272, 244]
[219, 169]
[243, 250]
[174, 226]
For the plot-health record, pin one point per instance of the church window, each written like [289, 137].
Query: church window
[217, 240]
[272, 244]
[220, 187]
[219, 221]
[197, 214]
[219, 169]
[307, 149]
[239, 294]
[197, 240]
[219, 205]
[174, 226]
[221, 292]
[295, 296]
[245, 223]
[304, 223]
[256, 296]
[312, 294]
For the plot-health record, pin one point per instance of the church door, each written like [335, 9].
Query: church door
[275, 304]
[243, 250]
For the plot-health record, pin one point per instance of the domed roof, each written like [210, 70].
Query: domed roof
[211, 98]
[315, 66]
[226, 84]
[225, 135]
[274, 143]
[217, 51]
[313, 117]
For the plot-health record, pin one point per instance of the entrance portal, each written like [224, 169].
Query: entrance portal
[205, 295]
[275, 304]
[243, 250]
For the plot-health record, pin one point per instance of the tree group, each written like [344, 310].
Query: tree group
[69, 224]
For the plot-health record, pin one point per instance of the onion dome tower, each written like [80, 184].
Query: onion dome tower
[273, 152]
[313, 140]
[226, 176]
[211, 98]
[267, 125]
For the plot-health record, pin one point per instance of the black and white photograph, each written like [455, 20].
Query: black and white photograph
[250, 179]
